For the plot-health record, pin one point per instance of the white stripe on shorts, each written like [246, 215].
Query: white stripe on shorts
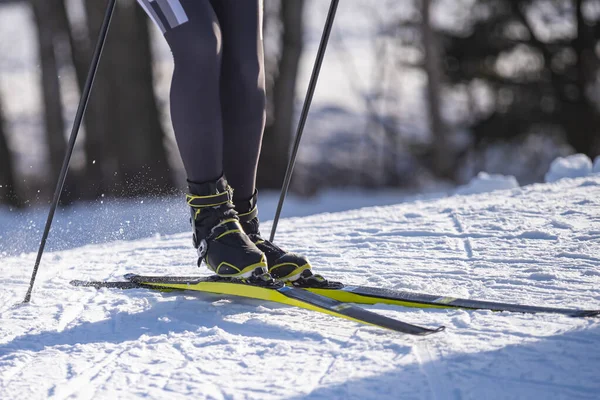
[166, 14]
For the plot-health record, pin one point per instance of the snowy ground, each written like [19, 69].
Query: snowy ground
[538, 244]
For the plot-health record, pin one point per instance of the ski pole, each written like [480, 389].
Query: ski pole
[83, 102]
[304, 114]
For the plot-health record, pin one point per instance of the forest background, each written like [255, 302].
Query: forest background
[413, 94]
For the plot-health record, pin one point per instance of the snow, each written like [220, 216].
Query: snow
[485, 182]
[112, 219]
[573, 166]
[596, 167]
[538, 244]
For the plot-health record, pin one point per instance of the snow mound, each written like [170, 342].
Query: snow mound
[485, 182]
[596, 167]
[573, 166]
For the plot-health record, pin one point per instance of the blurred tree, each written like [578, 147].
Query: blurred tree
[48, 34]
[281, 95]
[80, 46]
[443, 161]
[127, 155]
[8, 189]
[408, 45]
[124, 142]
[538, 62]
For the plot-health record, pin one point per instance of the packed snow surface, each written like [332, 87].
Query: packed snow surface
[538, 244]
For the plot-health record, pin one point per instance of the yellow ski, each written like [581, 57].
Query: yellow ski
[275, 292]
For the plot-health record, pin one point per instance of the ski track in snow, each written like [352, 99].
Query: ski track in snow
[538, 244]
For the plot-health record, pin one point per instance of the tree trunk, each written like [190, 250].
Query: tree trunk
[44, 13]
[101, 172]
[80, 44]
[142, 155]
[442, 156]
[278, 135]
[129, 140]
[8, 189]
[581, 120]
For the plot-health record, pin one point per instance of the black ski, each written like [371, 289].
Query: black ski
[371, 295]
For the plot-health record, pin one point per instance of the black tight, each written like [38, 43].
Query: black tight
[218, 90]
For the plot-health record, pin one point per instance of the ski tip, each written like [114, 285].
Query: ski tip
[79, 283]
[439, 329]
[429, 331]
[586, 313]
[435, 330]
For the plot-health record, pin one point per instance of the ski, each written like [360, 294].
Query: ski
[372, 295]
[276, 292]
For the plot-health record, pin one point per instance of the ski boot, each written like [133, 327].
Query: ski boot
[221, 242]
[283, 266]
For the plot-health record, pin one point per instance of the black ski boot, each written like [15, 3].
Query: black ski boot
[218, 236]
[283, 266]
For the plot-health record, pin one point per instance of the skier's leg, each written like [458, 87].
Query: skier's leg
[242, 91]
[193, 34]
[243, 104]
[192, 30]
